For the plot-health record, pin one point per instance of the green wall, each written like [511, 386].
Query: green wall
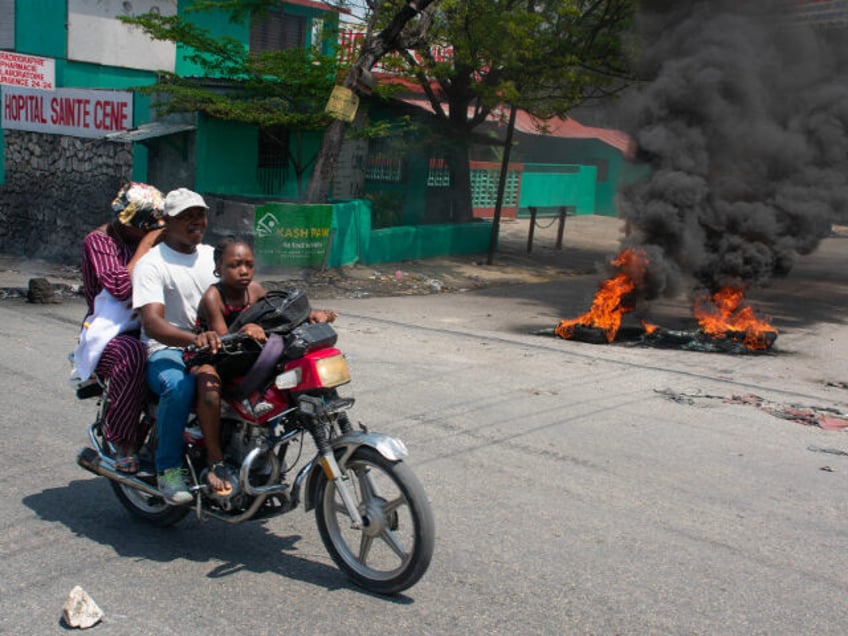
[218, 22]
[586, 152]
[215, 22]
[40, 28]
[85, 75]
[553, 186]
[225, 157]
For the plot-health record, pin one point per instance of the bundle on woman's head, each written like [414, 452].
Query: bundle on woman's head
[139, 205]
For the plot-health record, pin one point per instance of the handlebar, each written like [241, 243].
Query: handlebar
[226, 339]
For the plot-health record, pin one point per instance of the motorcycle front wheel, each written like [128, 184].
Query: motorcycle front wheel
[392, 550]
[153, 510]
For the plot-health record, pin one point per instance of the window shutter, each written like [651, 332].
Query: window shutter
[277, 31]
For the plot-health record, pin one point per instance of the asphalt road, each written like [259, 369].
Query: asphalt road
[577, 488]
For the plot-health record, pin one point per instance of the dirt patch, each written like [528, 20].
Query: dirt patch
[588, 243]
[436, 276]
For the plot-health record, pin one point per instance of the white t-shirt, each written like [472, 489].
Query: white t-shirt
[175, 280]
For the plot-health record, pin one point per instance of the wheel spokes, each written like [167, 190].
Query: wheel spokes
[392, 541]
[365, 544]
[390, 506]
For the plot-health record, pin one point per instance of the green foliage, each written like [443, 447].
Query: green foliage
[544, 56]
[391, 129]
[288, 87]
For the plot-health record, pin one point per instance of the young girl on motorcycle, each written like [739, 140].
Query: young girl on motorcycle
[219, 307]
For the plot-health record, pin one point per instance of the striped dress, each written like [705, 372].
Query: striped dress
[104, 265]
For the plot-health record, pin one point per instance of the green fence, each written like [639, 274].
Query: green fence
[339, 233]
[414, 242]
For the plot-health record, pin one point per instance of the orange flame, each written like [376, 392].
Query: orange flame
[649, 327]
[611, 300]
[725, 313]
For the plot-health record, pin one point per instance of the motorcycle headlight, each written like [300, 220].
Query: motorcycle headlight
[332, 371]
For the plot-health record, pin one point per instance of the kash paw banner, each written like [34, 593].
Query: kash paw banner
[292, 234]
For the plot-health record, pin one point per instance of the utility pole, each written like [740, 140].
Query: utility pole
[496, 222]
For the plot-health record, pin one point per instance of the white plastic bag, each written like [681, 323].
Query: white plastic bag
[111, 318]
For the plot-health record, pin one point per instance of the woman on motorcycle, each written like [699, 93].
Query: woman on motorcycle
[221, 304]
[109, 255]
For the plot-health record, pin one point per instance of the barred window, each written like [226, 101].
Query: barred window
[384, 167]
[439, 174]
[273, 146]
[272, 166]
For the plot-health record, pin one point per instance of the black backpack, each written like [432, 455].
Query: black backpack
[279, 311]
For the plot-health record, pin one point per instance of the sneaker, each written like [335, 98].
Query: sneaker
[173, 487]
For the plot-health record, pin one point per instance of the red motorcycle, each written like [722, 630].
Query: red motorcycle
[373, 515]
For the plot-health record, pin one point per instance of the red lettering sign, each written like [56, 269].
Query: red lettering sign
[80, 112]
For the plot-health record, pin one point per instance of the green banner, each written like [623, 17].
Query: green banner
[292, 234]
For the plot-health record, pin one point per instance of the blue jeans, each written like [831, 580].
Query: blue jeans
[167, 377]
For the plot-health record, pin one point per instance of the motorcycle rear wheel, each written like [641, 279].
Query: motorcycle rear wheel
[393, 549]
[153, 510]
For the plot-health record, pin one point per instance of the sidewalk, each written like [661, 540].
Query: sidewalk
[588, 242]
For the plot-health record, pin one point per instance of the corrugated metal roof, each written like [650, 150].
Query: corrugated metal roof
[149, 131]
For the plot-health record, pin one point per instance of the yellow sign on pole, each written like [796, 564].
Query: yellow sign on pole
[343, 103]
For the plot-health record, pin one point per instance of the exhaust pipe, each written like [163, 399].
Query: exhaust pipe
[101, 465]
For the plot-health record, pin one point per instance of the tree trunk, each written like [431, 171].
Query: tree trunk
[462, 211]
[325, 164]
[374, 48]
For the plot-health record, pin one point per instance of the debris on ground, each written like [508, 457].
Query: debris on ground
[409, 278]
[436, 276]
[824, 417]
[831, 451]
[80, 610]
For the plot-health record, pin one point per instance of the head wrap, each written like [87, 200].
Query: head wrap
[139, 205]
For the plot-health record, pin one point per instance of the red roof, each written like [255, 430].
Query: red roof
[312, 4]
[567, 128]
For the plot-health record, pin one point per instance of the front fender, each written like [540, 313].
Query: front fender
[344, 446]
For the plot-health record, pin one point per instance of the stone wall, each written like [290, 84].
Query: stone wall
[57, 189]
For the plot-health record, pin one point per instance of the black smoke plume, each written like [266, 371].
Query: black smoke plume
[742, 118]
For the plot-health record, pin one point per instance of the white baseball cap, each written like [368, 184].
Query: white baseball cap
[182, 199]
